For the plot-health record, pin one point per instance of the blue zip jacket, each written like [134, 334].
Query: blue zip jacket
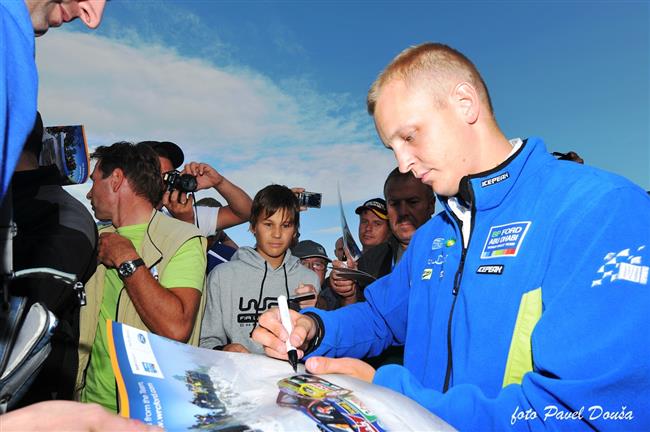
[540, 323]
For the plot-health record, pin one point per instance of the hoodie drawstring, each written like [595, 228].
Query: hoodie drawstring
[286, 288]
[259, 298]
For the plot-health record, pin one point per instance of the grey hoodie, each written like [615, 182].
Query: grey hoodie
[233, 295]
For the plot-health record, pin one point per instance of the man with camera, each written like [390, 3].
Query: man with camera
[178, 198]
[151, 267]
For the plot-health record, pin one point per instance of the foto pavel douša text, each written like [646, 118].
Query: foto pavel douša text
[553, 412]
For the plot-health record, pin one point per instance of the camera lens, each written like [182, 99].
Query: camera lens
[186, 183]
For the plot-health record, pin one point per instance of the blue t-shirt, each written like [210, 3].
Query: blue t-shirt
[219, 253]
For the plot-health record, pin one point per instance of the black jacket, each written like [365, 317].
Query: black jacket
[54, 230]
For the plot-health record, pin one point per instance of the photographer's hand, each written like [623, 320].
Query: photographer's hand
[206, 176]
[238, 209]
[180, 205]
[297, 191]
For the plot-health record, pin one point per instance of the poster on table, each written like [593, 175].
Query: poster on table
[180, 387]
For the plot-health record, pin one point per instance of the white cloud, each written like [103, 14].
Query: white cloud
[329, 230]
[237, 119]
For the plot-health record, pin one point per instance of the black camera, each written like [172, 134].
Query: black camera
[310, 199]
[181, 182]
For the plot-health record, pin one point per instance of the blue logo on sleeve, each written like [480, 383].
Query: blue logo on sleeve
[504, 240]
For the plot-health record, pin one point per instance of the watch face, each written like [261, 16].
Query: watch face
[126, 269]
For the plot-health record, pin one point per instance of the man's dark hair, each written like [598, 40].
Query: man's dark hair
[34, 143]
[397, 175]
[209, 202]
[139, 163]
[273, 198]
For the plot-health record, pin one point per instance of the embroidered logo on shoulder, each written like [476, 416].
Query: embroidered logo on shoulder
[490, 269]
[438, 243]
[623, 265]
[426, 274]
[495, 180]
[505, 240]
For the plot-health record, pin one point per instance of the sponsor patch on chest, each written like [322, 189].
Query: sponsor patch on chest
[505, 240]
[496, 269]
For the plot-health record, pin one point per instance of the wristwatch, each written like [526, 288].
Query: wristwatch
[127, 268]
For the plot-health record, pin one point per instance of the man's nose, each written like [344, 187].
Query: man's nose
[404, 158]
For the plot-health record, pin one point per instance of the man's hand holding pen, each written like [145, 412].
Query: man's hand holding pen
[271, 334]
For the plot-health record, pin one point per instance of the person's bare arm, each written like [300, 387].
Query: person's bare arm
[68, 416]
[238, 209]
[166, 312]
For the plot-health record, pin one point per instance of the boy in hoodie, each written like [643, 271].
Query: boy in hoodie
[242, 289]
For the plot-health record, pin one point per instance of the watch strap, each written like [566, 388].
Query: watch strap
[133, 264]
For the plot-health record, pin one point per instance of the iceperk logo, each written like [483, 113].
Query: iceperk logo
[505, 240]
[490, 269]
[622, 266]
[495, 180]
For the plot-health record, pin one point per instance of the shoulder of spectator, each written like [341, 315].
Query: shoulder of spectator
[374, 254]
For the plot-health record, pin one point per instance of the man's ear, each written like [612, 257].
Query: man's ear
[466, 100]
[90, 12]
[117, 179]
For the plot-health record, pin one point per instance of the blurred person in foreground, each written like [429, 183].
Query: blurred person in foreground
[20, 21]
[54, 230]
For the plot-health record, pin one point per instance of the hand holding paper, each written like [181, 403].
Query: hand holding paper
[345, 366]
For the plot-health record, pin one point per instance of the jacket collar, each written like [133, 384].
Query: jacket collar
[488, 189]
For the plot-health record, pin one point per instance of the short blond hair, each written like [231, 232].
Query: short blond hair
[439, 64]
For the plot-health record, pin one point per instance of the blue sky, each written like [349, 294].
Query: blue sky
[274, 92]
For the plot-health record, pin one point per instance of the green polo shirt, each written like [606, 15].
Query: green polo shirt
[186, 269]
